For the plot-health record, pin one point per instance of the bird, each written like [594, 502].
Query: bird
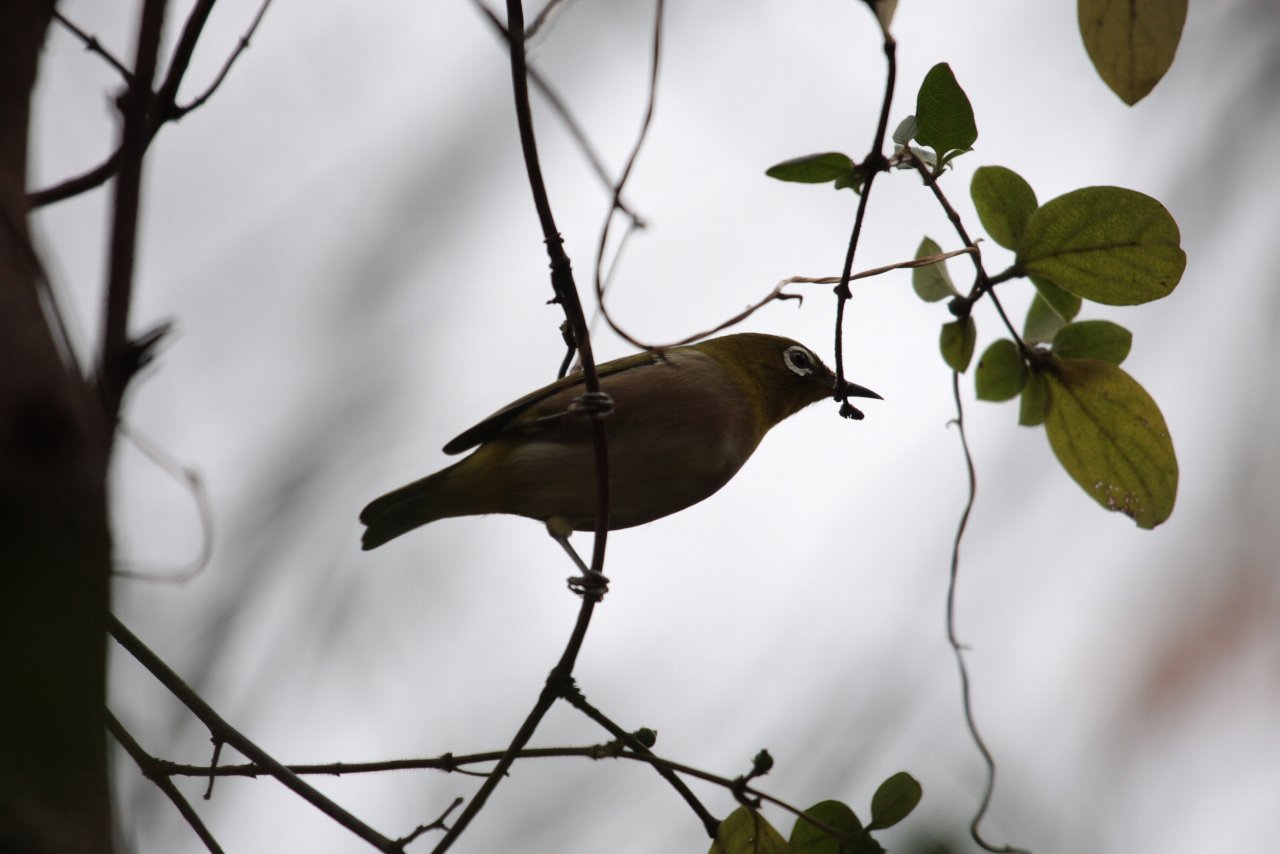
[683, 422]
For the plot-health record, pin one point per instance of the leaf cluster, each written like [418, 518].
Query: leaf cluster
[1105, 245]
[827, 827]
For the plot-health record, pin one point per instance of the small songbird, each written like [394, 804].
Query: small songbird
[683, 422]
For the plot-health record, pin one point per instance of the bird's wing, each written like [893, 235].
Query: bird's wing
[499, 421]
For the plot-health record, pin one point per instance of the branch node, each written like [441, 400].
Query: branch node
[591, 585]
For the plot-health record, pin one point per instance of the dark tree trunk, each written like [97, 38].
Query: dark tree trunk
[55, 545]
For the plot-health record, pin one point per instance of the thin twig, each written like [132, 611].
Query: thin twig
[873, 164]
[163, 109]
[118, 359]
[982, 282]
[954, 640]
[602, 244]
[152, 769]
[566, 291]
[541, 20]
[877, 271]
[92, 45]
[195, 484]
[779, 293]
[223, 731]
[571, 123]
[241, 46]
[451, 763]
[709, 822]
[437, 824]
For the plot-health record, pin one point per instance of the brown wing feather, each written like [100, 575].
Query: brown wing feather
[499, 421]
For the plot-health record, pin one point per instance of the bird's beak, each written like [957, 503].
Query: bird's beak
[855, 390]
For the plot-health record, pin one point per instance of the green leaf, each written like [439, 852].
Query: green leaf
[1001, 373]
[1093, 339]
[746, 832]
[932, 283]
[1042, 322]
[853, 179]
[894, 800]
[1132, 44]
[1065, 305]
[807, 838]
[957, 340]
[1004, 201]
[1109, 435]
[812, 168]
[1106, 244]
[944, 114]
[1034, 403]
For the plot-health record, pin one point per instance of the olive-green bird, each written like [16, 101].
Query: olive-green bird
[682, 424]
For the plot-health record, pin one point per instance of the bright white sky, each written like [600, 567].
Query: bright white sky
[345, 239]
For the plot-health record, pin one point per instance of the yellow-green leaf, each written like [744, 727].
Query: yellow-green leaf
[957, 340]
[1111, 438]
[1106, 244]
[1131, 42]
[807, 838]
[1004, 202]
[1034, 403]
[1042, 322]
[1001, 373]
[1064, 304]
[746, 832]
[1093, 339]
[932, 283]
[894, 800]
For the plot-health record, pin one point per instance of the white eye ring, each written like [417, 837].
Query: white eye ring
[799, 360]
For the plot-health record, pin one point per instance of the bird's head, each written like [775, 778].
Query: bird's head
[782, 376]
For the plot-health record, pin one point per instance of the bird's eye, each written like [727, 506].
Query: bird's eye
[798, 360]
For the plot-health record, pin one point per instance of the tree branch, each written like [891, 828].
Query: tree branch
[560, 678]
[153, 770]
[223, 731]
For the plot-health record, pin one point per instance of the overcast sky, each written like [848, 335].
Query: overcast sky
[346, 242]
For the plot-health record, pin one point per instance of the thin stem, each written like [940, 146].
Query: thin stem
[560, 108]
[543, 17]
[191, 479]
[655, 57]
[153, 770]
[560, 678]
[163, 107]
[117, 360]
[241, 46]
[709, 822]
[983, 284]
[873, 164]
[92, 45]
[220, 730]
[954, 640]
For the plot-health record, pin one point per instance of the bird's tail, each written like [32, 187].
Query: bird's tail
[411, 506]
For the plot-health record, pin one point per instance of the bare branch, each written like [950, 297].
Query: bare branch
[560, 679]
[119, 358]
[163, 106]
[571, 123]
[92, 45]
[153, 770]
[241, 46]
[223, 731]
